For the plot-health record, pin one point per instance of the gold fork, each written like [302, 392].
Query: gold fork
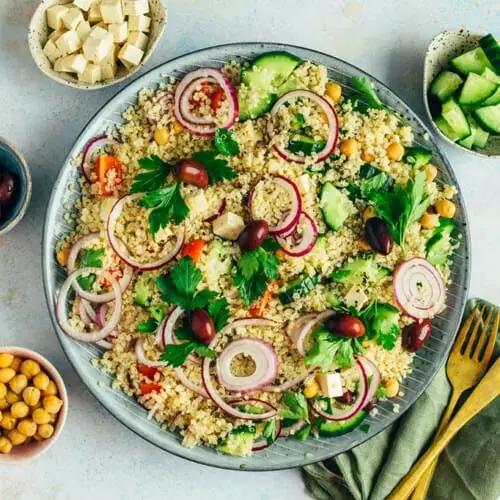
[465, 368]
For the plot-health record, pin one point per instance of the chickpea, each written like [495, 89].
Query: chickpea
[41, 381]
[311, 390]
[16, 438]
[37, 436]
[16, 363]
[392, 387]
[428, 221]
[445, 208]
[19, 409]
[40, 416]
[51, 389]
[3, 390]
[3, 404]
[349, 147]
[6, 359]
[18, 383]
[7, 374]
[430, 172]
[27, 427]
[62, 256]
[333, 91]
[45, 431]
[177, 127]
[31, 396]
[395, 151]
[52, 404]
[367, 157]
[368, 213]
[30, 368]
[5, 445]
[8, 422]
[161, 136]
[12, 398]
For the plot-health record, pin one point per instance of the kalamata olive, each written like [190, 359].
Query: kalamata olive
[378, 236]
[253, 235]
[416, 335]
[346, 398]
[345, 325]
[202, 326]
[7, 186]
[370, 405]
[192, 172]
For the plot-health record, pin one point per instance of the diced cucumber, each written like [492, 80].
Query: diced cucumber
[218, 262]
[445, 128]
[480, 137]
[476, 89]
[298, 288]
[144, 287]
[473, 61]
[468, 142]
[292, 83]
[492, 50]
[439, 244]
[455, 117]
[356, 271]
[305, 145]
[335, 206]
[491, 76]
[417, 157]
[333, 299]
[253, 102]
[239, 441]
[336, 428]
[445, 84]
[493, 99]
[489, 118]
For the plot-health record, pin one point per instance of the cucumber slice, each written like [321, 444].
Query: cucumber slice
[291, 84]
[298, 288]
[480, 137]
[445, 84]
[491, 76]
[489, 118]
[335, 206]
[455, 117]
[417, 157]
[445, 128]
[493, 99]
[476, 89]
[253, 103]
[305, 145]
[468, 142]
[492, 50]
[333, 428]
[474, 61]
[439, 245]
[239, 441]
[360, 270]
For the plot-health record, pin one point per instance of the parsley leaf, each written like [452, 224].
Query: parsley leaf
[297, 406]
[186, 275]
[154, 177]
[382, 324]
[151, 324]
[217, 169]
[202, 299]
[148, 326]
[302, 434]
[381, 392]
[224, 142]
[365, 87]
[270, 432]
[90, 258]
[270, 245]
[219, 312]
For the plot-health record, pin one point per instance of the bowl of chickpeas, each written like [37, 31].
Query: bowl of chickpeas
[33, 404]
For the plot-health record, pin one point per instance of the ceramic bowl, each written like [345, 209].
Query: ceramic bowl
[34, 449]
[442, 49]
[39, 31]
[11, 159]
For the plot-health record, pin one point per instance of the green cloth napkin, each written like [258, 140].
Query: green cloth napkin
[469, 468]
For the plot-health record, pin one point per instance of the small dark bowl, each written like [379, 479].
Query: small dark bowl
[12, 160]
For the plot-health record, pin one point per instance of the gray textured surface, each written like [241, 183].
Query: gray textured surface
[97, 457]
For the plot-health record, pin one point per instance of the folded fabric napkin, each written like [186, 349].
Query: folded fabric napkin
[469, 468]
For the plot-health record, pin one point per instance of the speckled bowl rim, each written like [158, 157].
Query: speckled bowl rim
[37, 448]
[28, 188]
[426, 85]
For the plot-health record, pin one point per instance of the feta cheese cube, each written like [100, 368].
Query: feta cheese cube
[96, 49]
[91, 74]
[108, 70]
[139, 39]
[72, 18]
[111, 11]
[135, 7]
[83, 30]
[94, 15]
[119, 32]
[139, 23]
[83, 4]
[330, 384]
[51, 51]
[68, 42]
[56, 34]
[228, 226]
[130, 55]
[55, 15]
[75, 63]
[304, 183]
[355, 298]
[98, 32]
[197, 203]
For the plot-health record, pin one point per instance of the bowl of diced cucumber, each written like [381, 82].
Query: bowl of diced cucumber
[462, 90]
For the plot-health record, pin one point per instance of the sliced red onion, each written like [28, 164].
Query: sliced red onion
[141, 356]
[181, 110]
[337, 414]
[94, 148]
[105, 344]
[373, 376]
[333, 123]
[100, 319]
[218, 212]
[292, 216]
[418, 289]
[299, 330]
[83, 310]
[264, 357]
[198, 389]
[292, 429]
[120, 247]
[62, 313]
[185, 102]
[290, 383]
[75, 250]
[303, 238]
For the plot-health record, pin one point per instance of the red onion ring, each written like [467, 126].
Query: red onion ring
[264, 357]
[185, 102]
[418, 289]
[292, 217]
[298, 245]
[292, 429]
[86, 312]
[75, 250]
[198, 389]
[105, 344]
[331, 115]
[141, 356]
[303, 326]
[100, 319]
[92, 149]
[62, 313]
[291, 383]
[371, 371]
[218, 212]
[120, 248]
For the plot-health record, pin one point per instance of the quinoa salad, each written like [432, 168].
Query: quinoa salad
[258, 252]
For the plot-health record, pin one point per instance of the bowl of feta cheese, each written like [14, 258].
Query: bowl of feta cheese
[91, 44]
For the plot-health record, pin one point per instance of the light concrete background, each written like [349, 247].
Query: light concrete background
[96, 456]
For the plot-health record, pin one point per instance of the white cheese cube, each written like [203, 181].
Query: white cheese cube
[51, 51]
[111, 11]
[68, 42]
[108, 70]
[56, 34]
[139, 23]
[96, 49]
[83, 4]
[304, 183]
[98, 32]
[130, 55]
[355, 298]
[91, 74]
[330, 384]
[83, 30]
[228, 226]
[55, 15]
[135, 7]
[119, 32]
[75, 63]
[197, 203]
[72, 18]
[139, 39]
[94, 15]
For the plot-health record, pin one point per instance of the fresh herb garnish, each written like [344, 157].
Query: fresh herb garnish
[381, 392]
[154, 177]
[382, 324]
[254, 271]
[270, 245]
[217, 169]
[224, 142]
[297, 406]
[219, 312]
[152, 323]
[298, 122]
[270, 432]
[365, 87]
[302, 434]
[90, 258]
